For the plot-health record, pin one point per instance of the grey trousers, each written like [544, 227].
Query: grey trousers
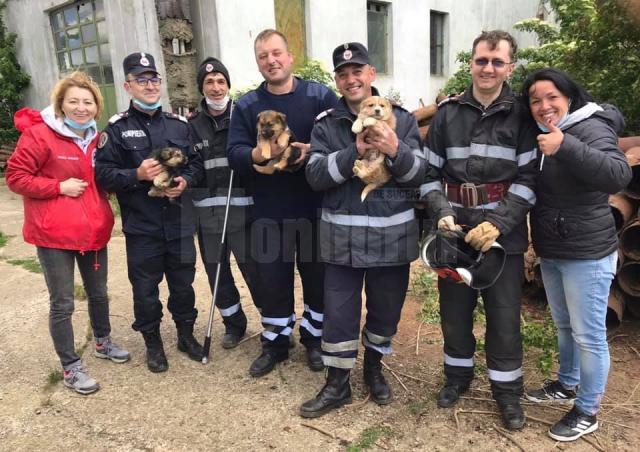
[58, 267]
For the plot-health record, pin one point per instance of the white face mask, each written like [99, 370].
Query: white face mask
[217, 106]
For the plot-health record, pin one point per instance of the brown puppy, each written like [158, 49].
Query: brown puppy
[171, 159]
[371, 167]
[273, 124]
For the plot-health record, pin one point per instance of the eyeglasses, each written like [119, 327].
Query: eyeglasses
[144, 81]
[495, 62]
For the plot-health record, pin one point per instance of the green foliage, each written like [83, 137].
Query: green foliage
[31, 265]
[416, 407]
[424, 285]
[3, 239]
[394, 95]
[115, 205]
[461, 78]
[541, 334]
[368, 438]
[594, 41]
[313, 70]
[78, 292]
[12, 82]
[54, 377]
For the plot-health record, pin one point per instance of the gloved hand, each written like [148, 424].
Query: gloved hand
[448, 223]
[482, 236]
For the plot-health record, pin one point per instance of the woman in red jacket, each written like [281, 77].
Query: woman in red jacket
[66, 216]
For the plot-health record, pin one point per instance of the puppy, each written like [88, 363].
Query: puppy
[172, 160]
[371, 167]
[273, 124]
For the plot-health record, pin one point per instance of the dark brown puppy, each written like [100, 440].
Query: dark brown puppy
[172, 160]
[273, 124]
[371, 167]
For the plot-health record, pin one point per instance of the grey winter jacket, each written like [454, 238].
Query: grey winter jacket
[572, 218]
[382, 230]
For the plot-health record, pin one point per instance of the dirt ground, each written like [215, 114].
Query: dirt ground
[220, 407]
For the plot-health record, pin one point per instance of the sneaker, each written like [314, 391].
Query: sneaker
[573, 425]
[106, 349]
[551, 392]
[77, 379]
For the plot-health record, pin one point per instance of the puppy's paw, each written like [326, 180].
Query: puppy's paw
[368, 122]
[357, 126]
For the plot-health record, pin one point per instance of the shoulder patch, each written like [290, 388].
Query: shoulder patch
[324, 114]
[118, 116]
[178, 117]
[451, 98]
[104, 137]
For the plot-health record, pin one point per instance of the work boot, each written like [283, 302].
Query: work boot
[512, 414]
[449, 394]
[156, 359]
[266, 362]
[187, 343]
[230, 340]
[335, 393]
[379, 389]
[314, 359]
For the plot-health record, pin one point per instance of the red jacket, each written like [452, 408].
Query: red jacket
[42, 159]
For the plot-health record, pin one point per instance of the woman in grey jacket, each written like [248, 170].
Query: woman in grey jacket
[574, 235]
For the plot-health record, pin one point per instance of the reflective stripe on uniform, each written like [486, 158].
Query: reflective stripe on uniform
[523, 192]
[431, 186]
[342, 363]
[317, 316]
[332, 167]
[375, 338]
[527, 157]
[222, 201]
[304, 323]
[459, 362]
[227, 312]
[216, 163]
[279, 321]
[434, 159]
[417, 155]
[379, 348]
[346, 346]
[365, 220]
[490, 206]
[482, 150]
[498, 375]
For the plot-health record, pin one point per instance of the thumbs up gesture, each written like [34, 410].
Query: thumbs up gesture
[550, 142]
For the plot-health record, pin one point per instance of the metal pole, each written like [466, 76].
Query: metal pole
[207, 339]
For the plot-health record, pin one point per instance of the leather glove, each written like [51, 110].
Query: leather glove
[482, 236]
[448, 223]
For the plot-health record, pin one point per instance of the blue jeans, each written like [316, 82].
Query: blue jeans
[577, 291]
[57, 266]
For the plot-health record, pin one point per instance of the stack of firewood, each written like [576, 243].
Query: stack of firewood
[424, 114]
[625, 291]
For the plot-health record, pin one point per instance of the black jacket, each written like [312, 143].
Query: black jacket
[210, 195]
[125, 143]
[572, 218]
[382, 230]
[468, 143]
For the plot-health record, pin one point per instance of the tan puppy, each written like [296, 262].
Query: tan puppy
[273, 124]
[171, 159]
[371, 167]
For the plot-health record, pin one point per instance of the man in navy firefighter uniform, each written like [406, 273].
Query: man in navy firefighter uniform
[284, 232]
[482, 170]
[371, 241]
[158, 230]
[210, 125]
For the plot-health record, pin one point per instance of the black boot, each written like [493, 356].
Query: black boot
[379, 389]
[187, 343]
[449, 394]
[335, 393]
[156, 359]
[512, 414]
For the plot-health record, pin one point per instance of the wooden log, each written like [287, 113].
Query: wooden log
[623, 209]
[615, 307]
[425, 113]
[630, 240]
[629, 278]
[626, 143]
[633, 157]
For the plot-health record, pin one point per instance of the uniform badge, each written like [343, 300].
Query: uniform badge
[347, 55]
[208, 67]
[144, 61]
[103, 140]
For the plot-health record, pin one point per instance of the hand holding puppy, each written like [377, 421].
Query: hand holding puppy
[148, 169]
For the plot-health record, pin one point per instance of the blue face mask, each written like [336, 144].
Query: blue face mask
[147, 107]
[562, 121]
[74, 125]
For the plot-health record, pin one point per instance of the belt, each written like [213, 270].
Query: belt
[471, 195]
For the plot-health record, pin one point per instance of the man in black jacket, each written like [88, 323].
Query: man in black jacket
[482, 155]
[210, 125]
[158, 230]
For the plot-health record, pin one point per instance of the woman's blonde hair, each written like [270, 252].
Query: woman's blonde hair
[80, 80]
